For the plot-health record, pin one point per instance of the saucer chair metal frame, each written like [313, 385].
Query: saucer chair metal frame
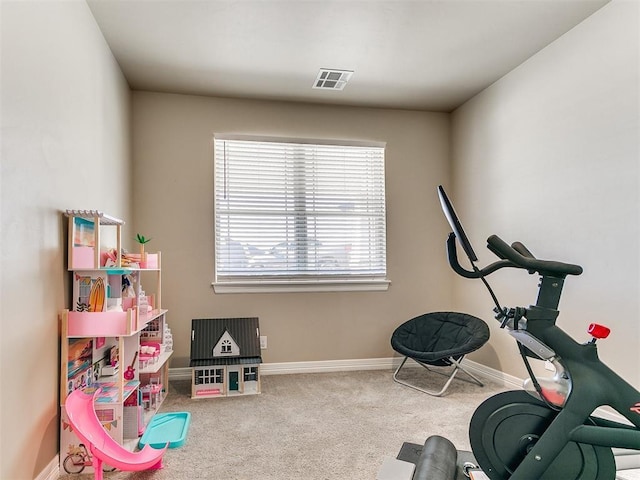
[439, 339]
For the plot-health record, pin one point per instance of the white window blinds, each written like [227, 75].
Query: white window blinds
[298, 212]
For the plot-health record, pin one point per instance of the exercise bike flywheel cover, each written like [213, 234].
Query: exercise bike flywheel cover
[506, 426]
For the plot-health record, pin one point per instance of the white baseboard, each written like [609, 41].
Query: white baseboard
[327, 366]
[322, 366]
[390, 363]
[51, 471]
[496, 376]
[627, 460]
[183, 373]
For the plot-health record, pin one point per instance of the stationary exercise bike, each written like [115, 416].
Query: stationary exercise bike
[546, 431]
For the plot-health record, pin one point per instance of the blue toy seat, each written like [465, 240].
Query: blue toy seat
[166, 429]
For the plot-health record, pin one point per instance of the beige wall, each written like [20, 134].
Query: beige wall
[565, 122]
[65, 144]
[173, 203]
[549, 155]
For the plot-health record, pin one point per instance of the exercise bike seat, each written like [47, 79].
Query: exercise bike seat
[437, 461]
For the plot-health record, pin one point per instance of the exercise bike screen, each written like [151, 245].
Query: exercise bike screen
[456, 226]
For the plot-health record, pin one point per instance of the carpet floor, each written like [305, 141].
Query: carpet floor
[316, 426]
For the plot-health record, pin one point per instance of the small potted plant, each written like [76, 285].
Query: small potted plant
[141, 239]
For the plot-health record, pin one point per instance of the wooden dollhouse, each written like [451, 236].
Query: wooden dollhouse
[225, 357]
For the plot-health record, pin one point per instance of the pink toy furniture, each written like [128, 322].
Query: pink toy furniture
[149, 353]
[151, 393]
[82, 417]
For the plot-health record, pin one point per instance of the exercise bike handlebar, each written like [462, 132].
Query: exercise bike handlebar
[452, 255]
[521, 257]
[514, 256]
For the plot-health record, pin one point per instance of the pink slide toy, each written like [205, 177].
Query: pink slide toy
[103, 448]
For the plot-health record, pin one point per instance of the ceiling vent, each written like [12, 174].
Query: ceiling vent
[331, 79]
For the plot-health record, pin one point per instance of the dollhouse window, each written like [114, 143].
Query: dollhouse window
[226, 346]
[207, 376]
[250, 374]
[201, 377]
[106, 415]
[299, 215]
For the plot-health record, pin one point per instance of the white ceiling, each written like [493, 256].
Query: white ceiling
[424, 55]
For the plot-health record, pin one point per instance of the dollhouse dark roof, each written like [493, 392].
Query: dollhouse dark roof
[206, 333]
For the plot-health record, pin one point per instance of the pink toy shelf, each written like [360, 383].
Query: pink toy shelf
[148, 261]
[107, 324]
[102, 324]
[107, 377]
[84, 258]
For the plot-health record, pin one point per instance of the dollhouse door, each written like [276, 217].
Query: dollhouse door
[233, 381]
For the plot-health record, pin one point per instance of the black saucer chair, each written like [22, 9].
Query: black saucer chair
[439, 339]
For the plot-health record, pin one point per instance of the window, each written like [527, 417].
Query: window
[250, 374]
[298, 214]
[226, 346]
[208, 376]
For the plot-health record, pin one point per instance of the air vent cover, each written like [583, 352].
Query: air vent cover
[331, 79]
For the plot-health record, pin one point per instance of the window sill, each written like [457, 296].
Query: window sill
[289, 286]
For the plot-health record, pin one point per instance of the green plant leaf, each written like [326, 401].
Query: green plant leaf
[141, 239]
